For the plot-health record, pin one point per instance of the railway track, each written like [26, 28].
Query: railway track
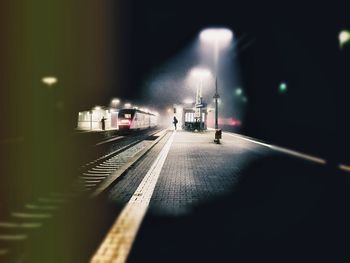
[112, 163]
[17, 226]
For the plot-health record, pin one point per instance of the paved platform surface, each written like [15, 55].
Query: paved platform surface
[238, 201]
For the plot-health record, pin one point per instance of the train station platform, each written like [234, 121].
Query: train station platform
[191, 200]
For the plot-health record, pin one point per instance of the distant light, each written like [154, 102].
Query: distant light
[135, 107]
[49, 80]
[244, 99]
[239, 91]
[283, 87]
[97, 108]
[216, 35]
[188, 101]
[115, 101]
[234, 122]
[169, 110]
[146, 110]
[127, 105]
[200, 72]
[344, 37]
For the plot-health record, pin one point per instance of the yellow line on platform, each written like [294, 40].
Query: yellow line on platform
[118, 242]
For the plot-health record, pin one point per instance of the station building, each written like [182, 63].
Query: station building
[91, 119]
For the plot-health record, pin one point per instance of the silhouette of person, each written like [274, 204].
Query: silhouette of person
[103, 123]
[175, 122]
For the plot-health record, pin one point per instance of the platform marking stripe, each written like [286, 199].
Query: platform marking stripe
[30, 215]
[50, 200]
[280, 149]
[20, 225]
[41, 207]
[118, 242]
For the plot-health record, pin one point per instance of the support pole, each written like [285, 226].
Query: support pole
[216, 97]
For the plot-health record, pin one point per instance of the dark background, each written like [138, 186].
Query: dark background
[286, 41]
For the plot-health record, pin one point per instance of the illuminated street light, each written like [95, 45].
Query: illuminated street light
[344, 37]
[115, 102]
[222, 36]
[49, 80]
[188, 101]
[239, 92]
[219, 38]
[200, 73]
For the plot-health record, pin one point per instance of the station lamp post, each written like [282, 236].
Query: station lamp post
[216, 39]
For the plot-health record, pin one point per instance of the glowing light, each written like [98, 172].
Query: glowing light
[115, 101]
[344, 37]
[283, 87]
[200, 72]
[127, 105]
[188, 101]
[97, 108]
[234, 122]
[49, 80]
[216, 35]
[239, 91]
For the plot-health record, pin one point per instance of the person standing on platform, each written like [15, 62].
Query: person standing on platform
[175, 122]
[103, 123]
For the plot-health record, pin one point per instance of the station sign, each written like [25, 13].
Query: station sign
[201, 105]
